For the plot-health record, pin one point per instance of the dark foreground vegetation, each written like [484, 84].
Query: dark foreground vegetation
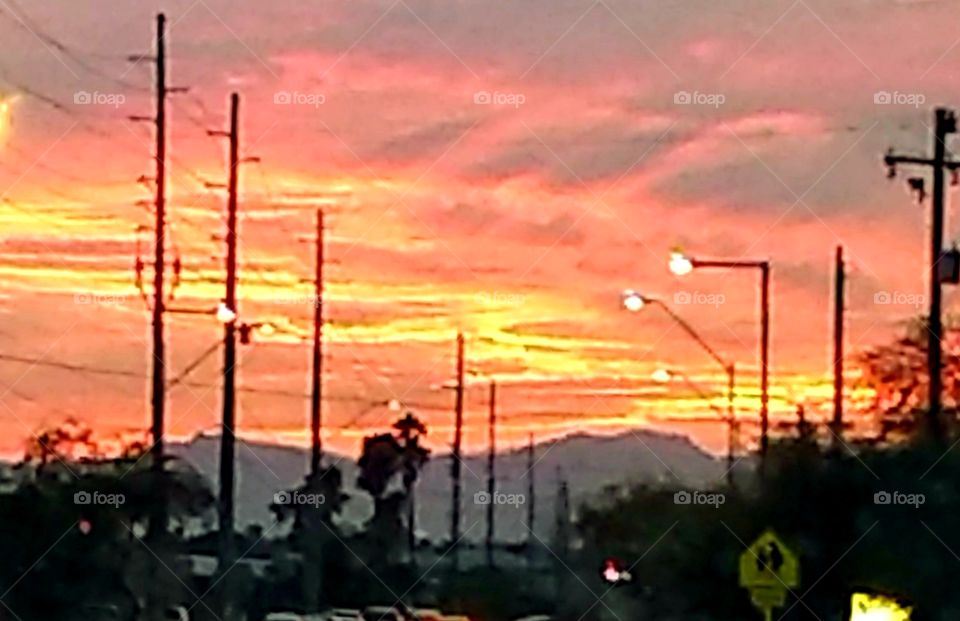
[67, 559]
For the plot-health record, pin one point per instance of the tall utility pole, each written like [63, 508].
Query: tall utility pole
[316, 394]
[456, 457]
[764, 357]
[838, 310]
[491, 471]
[159, 121]
[531, 497]
[562, 516]
[158, 388]
[561, 534]
[227, 437]
[945, 123]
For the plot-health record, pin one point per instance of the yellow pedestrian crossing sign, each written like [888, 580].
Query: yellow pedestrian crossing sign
[769, 562]
[769, 569]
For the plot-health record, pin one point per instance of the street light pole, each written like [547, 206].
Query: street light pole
[635, 301]
[764, 357]
[733, 424]
[680, 265]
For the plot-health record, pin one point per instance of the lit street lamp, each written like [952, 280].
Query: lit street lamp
[665, 376]
[225, 314]
[680, 264]
[635, 301]
[661, 376]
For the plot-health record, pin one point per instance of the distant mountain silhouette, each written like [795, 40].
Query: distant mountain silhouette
[593, 466]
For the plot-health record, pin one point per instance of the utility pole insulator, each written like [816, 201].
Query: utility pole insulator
[949, 267]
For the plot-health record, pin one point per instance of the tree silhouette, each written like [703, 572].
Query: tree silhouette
[84, 519]
[896, 375]
[409, 430]
[312, 508]
[386, 460]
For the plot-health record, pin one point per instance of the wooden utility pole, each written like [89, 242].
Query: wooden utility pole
[159, 120]
[531, 499]
[945, 124]
[733, 427]
[455, 464]
[228, 437]
[764, 358]
[562, 517]
[838, 311]
[561, 543]
[491, 471]
[158, 304]
[316, 394]
[158, 388]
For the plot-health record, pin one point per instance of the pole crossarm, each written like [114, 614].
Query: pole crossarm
[738, 263]
[892, 159]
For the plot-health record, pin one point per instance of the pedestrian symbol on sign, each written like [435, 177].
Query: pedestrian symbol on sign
[770, 558]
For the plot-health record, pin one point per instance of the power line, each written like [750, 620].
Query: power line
[22, 20]
[94, 370]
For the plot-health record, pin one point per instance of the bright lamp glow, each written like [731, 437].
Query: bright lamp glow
[633, 301]
[5, 108]
[225, 314]
[612, 572]
[267, 329]
[871, 607]
[661, 376]
[680, 264]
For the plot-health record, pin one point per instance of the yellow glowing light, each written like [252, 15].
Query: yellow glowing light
[633, 301]
[869, 607]
[680, 264]
[661, 376]
[225, 314]
[5, 107]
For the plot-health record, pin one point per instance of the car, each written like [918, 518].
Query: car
[382, 613]
[284, 616]
[343, 614]
[427, 614]
[177, 613]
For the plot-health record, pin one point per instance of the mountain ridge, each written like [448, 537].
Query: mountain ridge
[592, 465]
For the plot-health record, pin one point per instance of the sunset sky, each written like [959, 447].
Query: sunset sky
[500, 167]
